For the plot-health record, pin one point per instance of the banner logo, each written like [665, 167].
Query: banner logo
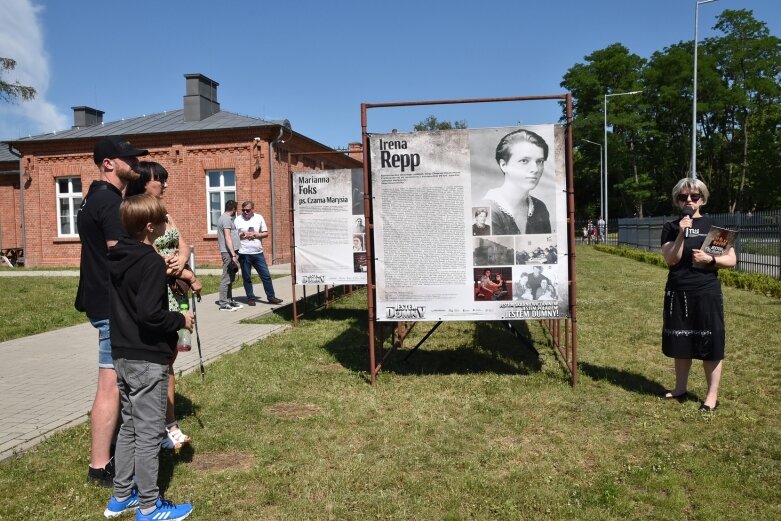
[405, 311]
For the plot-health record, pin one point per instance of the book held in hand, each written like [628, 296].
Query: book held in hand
[718, 241]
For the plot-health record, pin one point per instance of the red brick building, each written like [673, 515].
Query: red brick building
[211, 156]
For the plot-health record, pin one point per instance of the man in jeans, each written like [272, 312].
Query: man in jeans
[252, 228]
[228, 240]
[99, 230]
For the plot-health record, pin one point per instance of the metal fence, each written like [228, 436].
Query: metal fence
[758, 245]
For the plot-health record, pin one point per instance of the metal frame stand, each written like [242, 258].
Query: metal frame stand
[567, 348]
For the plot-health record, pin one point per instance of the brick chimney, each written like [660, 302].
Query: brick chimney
[355, 151]
[86, 117]
[200, 100]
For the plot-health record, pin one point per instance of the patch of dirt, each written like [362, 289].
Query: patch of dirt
[294, 411]
[220, 461]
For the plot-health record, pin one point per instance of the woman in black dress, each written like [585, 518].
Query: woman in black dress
[693, 306]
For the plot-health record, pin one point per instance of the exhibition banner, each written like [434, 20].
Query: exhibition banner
[470, 224]
[329, 231]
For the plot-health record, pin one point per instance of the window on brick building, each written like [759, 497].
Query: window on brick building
[68, 203]
[220, 187]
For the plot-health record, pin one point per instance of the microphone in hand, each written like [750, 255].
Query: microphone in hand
[687, 211]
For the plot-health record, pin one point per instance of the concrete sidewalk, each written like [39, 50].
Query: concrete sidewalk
[48, 381]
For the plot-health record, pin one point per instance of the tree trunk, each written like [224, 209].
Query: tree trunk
[744, 166]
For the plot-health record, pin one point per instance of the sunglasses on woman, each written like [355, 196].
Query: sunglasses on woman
[685, 197]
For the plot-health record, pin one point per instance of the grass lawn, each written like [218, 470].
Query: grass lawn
[32, 305]
[472, 426]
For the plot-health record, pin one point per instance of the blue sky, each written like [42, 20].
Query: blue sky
[314, 62]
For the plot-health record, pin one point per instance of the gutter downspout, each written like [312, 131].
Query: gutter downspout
[21, 202]
[271, 187]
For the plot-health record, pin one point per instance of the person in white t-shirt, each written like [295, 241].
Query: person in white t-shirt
[252, 228]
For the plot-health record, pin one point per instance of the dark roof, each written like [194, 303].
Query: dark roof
[5, 154]
[163, 122]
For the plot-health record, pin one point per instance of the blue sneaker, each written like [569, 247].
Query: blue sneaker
[165, 510]
[116, 508]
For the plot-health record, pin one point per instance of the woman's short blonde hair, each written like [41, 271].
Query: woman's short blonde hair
[687, 183]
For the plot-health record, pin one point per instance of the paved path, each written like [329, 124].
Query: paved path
[47, 381]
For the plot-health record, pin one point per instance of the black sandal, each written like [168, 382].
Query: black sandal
[668, 395]
[705, 408]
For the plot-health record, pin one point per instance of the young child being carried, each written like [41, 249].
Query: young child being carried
[143, 341]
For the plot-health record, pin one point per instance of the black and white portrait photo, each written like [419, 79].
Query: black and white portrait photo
[513, 173]
[480, 225]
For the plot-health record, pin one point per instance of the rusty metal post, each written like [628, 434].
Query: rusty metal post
[292, 220]
[368, 245]
[571, 237]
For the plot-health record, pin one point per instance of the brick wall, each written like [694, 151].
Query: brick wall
[10, 216]
[187, 159]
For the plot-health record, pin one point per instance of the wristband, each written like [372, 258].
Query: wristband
[712, 261]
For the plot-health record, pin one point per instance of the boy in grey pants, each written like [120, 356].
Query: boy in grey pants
[143, 341]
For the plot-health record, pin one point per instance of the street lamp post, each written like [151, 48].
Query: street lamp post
[694, 90]
[605, 166]
[601, 180]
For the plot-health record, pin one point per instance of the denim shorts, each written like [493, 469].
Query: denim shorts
[104, 344]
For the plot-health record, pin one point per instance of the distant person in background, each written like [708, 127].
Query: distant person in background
[693, 326]
[99, 230]
[479, 227]
[252, 228]
[228, 241]
[590, 228]
[521, 156]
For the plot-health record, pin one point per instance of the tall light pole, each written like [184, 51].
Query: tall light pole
[694, 91]
[605, 167]
[601, 186]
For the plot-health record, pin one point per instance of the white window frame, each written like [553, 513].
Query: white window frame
[74, 202]
[222, 189]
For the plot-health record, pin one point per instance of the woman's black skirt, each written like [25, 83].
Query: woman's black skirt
[693, 324]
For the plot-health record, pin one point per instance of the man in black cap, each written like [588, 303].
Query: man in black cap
[99, 230]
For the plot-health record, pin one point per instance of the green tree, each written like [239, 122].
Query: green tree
[432, 123]
[610, 70]
[748, 61]
[9, 92]
[738, 115]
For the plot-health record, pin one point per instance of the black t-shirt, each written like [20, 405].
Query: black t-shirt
[684, 276]
[98, 222]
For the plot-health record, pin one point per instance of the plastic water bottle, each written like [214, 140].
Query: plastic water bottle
[185, 337]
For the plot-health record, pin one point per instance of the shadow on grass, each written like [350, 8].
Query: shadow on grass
[633, 382]
[169, 459]
[490, 349]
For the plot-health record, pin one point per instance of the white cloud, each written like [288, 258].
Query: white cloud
[21, 38]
